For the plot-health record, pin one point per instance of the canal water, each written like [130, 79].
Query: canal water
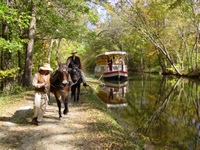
[163, 109]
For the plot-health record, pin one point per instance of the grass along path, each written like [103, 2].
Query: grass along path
[86, 126]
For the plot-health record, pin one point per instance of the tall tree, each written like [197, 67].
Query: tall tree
[10, 40]
[142, 24]
[30, 46]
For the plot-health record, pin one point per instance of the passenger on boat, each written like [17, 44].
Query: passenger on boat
[111, 94]
[120, 62]
[110, 64]
[76, 60]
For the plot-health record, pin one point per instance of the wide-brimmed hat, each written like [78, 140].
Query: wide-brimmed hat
[46, 66]
[74, 51]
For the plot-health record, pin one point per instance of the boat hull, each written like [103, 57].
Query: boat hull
[113, 76]
[113, 93]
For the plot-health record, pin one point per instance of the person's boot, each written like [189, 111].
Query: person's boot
[85, 84]
[34, 121]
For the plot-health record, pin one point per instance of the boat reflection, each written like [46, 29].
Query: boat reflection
[113, 93]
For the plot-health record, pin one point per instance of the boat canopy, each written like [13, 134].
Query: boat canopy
[112, 53]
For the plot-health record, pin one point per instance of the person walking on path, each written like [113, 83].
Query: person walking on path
[41, 83]
[76, 60]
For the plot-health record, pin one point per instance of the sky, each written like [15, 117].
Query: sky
[112, 1]
[102, 12]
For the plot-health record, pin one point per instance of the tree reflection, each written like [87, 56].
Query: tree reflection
[164, 109]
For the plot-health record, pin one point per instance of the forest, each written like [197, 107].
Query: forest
[160, 36]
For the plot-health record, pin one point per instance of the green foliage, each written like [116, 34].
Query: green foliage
[67, 21]
[64, 19]
[79, 26]
[12, 88]
[155, 69]
[16, 21]
[13, 18]
[145, 29]
[10, 46]
[9, 73]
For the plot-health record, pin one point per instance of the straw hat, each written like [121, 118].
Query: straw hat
[46, 66]
[74, 51]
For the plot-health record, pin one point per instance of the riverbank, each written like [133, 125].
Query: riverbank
[195, 74]
[88, 125]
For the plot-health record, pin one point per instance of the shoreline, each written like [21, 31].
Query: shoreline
[89, 123]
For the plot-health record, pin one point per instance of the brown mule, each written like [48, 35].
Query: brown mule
[60, 86]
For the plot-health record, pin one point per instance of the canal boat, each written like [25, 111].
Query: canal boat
[113, 93]
[111, 66]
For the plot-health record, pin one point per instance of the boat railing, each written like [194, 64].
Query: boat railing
[115, 68]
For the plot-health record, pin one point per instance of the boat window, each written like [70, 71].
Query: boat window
[102, 69]
[98, 69]
[95, 69]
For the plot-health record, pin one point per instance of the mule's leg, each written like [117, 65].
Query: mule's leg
[73, 89]
[58, 100]
[65, 98]
[72, 92]
[66, 106]
[78, 92]
[59, 108]
[75, 93]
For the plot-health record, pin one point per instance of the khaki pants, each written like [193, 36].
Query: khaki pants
[40, 104]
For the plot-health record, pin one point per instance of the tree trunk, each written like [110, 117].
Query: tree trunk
[50, 49]
[197, 46]
[197, 100]
[150, 64]
[193, 48]
[8, 57]
[3, 53]
[142, 62]
[2, 68]
[2, 60]
[58, 47]
[20, 77]
[29, 50]
[19, 61]
[162, 64]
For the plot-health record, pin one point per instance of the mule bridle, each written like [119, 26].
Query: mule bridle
[74, 83]
[59, 78]
[74, 66]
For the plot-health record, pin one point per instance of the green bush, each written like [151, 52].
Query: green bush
[12, 89]
[154, 70]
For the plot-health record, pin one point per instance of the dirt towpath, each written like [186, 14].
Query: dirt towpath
[74, 132]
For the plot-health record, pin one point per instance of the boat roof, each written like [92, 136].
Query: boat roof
[112, 53]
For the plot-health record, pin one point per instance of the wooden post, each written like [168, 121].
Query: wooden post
[118, 72]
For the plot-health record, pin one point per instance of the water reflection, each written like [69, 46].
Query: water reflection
[113, 93]
[165, 109]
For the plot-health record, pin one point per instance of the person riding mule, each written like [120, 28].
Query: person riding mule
[41, 82]
[76, 77]
[75, 61]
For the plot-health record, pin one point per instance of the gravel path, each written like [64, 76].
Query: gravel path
[73, 132]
